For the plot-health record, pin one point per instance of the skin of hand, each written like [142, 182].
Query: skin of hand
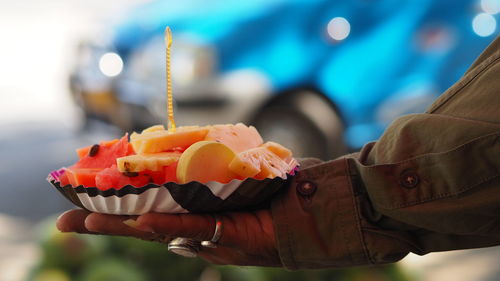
[247, 237]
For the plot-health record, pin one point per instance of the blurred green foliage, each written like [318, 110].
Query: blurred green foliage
[67, 256]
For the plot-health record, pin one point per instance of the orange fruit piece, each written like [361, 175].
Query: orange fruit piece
[205, 161]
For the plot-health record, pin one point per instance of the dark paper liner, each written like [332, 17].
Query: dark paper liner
[193, 197]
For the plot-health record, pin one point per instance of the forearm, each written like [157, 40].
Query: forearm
[429, 184]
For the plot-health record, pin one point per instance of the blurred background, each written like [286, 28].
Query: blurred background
[321, 77]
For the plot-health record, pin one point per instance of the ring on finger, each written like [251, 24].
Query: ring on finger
[212, 243]
[185, 247]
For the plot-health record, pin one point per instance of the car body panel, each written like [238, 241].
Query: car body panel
[397, 52]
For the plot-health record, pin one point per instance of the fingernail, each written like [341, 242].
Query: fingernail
[61, 215]
[134, 224]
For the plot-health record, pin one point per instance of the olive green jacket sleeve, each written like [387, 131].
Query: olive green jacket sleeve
[430, 183]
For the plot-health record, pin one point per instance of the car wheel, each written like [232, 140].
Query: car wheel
[304, 122]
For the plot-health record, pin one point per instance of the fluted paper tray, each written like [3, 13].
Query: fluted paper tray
[193, 197]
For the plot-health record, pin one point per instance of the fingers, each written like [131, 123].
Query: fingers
[72, 221]
[247, 238]
[199, 227]
[85, 222]
[113, 225]
[109, 224]
[239, 229]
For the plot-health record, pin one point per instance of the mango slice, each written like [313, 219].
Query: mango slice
[205, 161]
[150, 161]
[259, 163]
[238, 137]
[159, 140]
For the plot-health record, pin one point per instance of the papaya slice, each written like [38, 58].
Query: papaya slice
[238, 137]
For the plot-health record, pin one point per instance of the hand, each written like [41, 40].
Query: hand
[247, 237]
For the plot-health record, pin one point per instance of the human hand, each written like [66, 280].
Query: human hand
[247, 237]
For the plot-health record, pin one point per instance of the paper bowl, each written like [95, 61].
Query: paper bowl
[193, 197]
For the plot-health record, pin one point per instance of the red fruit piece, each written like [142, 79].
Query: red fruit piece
[106, 155]
[112, 178]
[84, 151]
[170, 173]
[81, 176]
[63, 179]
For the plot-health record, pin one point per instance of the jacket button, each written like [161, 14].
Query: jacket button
[409, 179]
[306, 188]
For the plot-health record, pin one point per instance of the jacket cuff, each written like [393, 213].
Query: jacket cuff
[316, 219]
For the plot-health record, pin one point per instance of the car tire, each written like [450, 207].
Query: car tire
[305, 122]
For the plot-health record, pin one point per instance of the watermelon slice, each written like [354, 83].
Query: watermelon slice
[63, 179]
[170, 172]
[81, 176]
[113, 178]
[84, 151]
[104, 156]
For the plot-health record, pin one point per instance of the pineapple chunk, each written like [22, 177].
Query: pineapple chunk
[259, 163]
[141, 162]
[158, 141]
[136, 144]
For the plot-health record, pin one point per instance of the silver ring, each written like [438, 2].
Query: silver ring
[189, 247]
[217, 234]
[185, 247]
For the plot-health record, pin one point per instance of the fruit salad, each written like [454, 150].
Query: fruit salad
[219, 153]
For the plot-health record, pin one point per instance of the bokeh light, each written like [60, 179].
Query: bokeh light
[339, 28]
[484, 24]
[490, 6]
[111, 64]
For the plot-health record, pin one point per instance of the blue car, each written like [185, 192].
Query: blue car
[322, 77]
